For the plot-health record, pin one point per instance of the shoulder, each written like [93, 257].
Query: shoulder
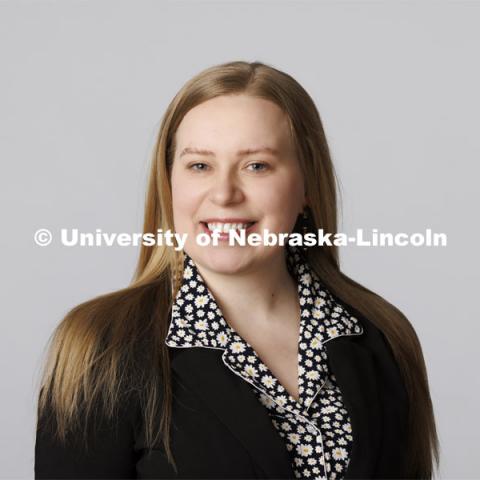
[389, 374]
[373, 342]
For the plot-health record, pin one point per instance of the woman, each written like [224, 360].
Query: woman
[237, 361]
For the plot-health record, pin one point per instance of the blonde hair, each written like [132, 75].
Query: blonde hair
[98, 351]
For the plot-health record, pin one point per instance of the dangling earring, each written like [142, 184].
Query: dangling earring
[305, 229]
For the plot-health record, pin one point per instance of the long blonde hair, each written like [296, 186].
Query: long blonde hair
[98, 351]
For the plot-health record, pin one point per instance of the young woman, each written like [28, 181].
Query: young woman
[238, 361]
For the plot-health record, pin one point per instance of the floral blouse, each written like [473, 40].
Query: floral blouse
[316, 429]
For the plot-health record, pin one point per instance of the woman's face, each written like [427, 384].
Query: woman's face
[266, 187]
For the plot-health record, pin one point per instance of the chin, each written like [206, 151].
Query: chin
[224, 260]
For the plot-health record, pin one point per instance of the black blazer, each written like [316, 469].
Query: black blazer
[220, 429]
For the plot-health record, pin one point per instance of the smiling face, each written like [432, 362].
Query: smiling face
[217, 175]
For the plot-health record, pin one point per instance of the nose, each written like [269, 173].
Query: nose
[226, 189]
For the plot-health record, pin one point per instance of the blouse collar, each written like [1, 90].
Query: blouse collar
[197, 321]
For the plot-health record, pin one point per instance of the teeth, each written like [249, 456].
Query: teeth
[226, 227]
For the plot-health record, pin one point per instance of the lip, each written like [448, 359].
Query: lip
[228, 220]
[224, 236]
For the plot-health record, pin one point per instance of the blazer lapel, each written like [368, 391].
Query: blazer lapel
[353, 367]
[234, 403]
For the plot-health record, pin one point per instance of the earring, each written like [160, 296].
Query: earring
[305, 229]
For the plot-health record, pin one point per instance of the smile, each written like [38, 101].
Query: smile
[224, 228]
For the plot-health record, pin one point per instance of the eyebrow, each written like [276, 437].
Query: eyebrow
[240, 153]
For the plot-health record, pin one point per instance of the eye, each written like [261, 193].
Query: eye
[190, 167]
[264, 165]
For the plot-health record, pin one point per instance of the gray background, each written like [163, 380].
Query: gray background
[83, 87]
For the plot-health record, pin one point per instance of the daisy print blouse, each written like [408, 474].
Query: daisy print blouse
[316, 428]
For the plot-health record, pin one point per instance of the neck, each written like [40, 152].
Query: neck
[269, 289]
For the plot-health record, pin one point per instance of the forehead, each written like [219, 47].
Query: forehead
[233, 123]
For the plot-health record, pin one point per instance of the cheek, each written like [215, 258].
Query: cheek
[184, 198]
[184, 212]
[184, 208]
[282, 198]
